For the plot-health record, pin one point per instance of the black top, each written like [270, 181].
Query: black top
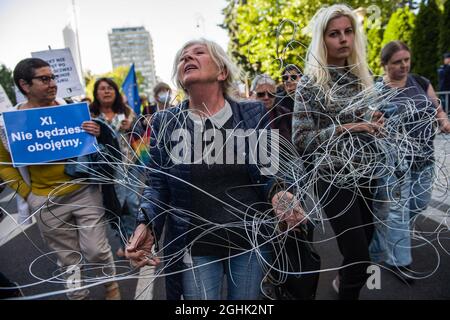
[420, 121]
[285, 99]
[444, 77]
[224, 214]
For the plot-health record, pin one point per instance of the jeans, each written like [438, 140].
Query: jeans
[396, 204]
[203, 277]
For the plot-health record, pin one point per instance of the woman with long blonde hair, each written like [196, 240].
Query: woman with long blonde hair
[331, 111]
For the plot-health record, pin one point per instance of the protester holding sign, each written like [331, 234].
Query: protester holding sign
[69, 215]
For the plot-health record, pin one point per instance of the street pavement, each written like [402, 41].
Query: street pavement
[25, 259]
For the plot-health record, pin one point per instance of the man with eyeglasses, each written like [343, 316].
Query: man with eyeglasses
[263, 89]
[70, 216]
[285, 96]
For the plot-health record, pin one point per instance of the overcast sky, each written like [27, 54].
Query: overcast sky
[30, 25]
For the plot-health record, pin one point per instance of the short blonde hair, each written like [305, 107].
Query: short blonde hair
[316, 57]
[220, 58]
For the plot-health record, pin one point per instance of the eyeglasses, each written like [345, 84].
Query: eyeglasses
[46, 79]
[264, 93]
[105, 88]
[292, 77]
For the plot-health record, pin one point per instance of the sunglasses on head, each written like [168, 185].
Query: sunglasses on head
[264, 93]
[292, 77]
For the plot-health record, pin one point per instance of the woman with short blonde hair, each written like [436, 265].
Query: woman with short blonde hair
[220, 58]
[213, 200]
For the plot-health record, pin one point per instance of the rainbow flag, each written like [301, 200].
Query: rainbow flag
[141, 146]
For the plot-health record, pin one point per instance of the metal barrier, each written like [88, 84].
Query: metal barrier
[445, 99]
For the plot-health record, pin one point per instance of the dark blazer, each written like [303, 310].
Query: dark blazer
[167, 193]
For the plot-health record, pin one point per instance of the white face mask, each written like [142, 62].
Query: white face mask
[164, 97]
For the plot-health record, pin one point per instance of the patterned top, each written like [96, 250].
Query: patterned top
[128, 155]
[318, 111]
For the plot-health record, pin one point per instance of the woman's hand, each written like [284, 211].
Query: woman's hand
[369, 127]
[288, 209]
[125, 124]
[378, 117]
[91, 127]
[139, 248]
[375, 126]
[445, 126]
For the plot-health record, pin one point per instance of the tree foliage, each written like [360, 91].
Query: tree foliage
[266, 35]
[374, 37]
[118, 75]
[7, 82]
[400, 26]
[444, 36]
[425, 40]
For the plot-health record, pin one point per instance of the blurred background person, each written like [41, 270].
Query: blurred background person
[108, 105]
[263, 89]
[444, 81]
[290, 76]
[163, 97]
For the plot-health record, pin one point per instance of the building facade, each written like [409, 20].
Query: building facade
[71, 42]
[134, 45]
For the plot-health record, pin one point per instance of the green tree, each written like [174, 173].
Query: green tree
[444, 35]
[400, 26]
[118, 75]
[266, 35]
[425, 40]
[374, 37]
[7, 82]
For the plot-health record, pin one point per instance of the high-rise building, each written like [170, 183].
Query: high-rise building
[134, 45]
[71, 42]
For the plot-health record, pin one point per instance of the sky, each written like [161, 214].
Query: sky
[32, 25]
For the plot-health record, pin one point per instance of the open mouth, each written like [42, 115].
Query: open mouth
[189, 67]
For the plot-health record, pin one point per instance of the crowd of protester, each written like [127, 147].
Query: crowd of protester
[200, 216]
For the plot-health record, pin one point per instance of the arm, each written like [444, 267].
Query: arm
[306, 137]
[156, 195]
[91, 127]
[11, 175]
[286, 207]
[441, 115]
[154, 204]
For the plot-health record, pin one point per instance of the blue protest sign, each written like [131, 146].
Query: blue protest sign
[40, 135]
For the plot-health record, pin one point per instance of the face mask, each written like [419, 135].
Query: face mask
[164, 97]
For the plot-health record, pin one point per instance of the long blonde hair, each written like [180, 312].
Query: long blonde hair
[316, 57]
